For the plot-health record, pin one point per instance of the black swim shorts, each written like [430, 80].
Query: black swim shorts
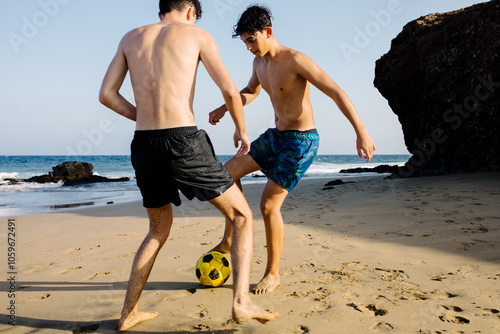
[169, 160]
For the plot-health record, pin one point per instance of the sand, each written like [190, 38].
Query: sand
[376, 256]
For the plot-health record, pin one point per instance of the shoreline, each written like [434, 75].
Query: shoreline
[398, 255]
[67, 207]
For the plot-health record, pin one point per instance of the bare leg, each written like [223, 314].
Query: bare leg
[237, 167]
[225, 244]
[270, 206]
[234, 206]
[160, 222]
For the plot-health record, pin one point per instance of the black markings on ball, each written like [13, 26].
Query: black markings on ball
[214, 274]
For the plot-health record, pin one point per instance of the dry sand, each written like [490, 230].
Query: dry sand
[376, 256]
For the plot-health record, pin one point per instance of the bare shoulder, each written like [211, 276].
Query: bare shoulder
[257, 61]
[195, 32]
[138, 31]
[301, 63]
[297, 56]
[130, 36]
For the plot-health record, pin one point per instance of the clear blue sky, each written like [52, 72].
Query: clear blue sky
[54, 54]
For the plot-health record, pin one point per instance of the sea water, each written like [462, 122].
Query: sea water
[27, 198]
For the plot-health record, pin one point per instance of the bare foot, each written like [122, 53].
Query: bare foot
[251, 311]
[223, 247]
[267, 284]
[133, 319]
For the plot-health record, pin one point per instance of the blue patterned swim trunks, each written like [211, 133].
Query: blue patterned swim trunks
[285, 156]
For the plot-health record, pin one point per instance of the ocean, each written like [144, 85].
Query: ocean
[29, 198]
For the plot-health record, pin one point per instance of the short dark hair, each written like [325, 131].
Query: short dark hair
[255, 18]
[166, 6]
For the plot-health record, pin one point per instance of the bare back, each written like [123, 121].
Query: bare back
[163, 61]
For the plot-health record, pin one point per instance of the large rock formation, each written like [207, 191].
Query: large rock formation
[442, 79]
[71, 173]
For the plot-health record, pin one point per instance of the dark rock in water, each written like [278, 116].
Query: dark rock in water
[442, 79]
[12, 181]
[72, 173]
[41, 179]
[93, 179]
[379, 169]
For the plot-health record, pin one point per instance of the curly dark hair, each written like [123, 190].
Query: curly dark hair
[166, 6]
[255, 18]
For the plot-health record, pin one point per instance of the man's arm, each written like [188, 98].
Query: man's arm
[317, 77]
[248, 94]
[210, 57]
[109, 94]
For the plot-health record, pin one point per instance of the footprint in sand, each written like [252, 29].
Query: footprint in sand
[390, 274]
[421, 295]
[67, 270]
[303, 330]
[443, 295]
[354, 306]
[199, 314]
[97, 275]
[491, 310]
[385, 298]
[72, 250]
[442, 277]
[180, 294]
[453, 319]
[382, 326]
[39, 267]
[34, 299]
[415, 296]
[374, 310]
[377, 312]
[488, 312]
[452, 308]
[201, 327]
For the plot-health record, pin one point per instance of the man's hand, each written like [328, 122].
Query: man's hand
[364, 144]
[215, 116]
[245, 143]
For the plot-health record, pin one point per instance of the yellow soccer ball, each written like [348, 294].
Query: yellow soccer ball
[213, 269]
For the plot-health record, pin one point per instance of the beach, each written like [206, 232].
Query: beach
[378, 255]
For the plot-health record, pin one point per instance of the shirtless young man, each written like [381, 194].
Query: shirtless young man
[286, 152]
[169, 153]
